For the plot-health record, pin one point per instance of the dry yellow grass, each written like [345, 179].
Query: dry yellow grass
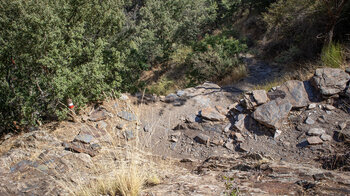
[132, 172]
[236, 74]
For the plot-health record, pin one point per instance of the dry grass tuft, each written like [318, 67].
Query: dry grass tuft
[236, 74]
[128, 180]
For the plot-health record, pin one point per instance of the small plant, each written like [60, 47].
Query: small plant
[332, 55]
[229, 185]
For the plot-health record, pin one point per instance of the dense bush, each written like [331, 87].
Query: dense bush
[85, 49]
[161, 23]
[54, 50]
[214, 57]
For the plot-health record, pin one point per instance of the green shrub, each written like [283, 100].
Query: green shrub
[214, 57]
[332, 55]
[54, 50]
[161, 23]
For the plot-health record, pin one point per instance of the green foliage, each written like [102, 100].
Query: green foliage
[230, 187]
[214, 57]
[163, 87]
[164, 22]
[332, 55]
[60, 49]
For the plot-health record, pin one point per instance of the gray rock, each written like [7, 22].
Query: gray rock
[90, 149]
[239, 138]
[84, 138]
[249, 101]
[192, 118]
[202, 139]
[295, 93]
[260, 96]
[170, 98]
[309, 121]
[221, 110]
[227, 128]
[315, 140]
[236, 106]
[102, 125]
[240, 122]
[243, 147]
[276, 94]
[98, 115]
[330, 81]
[147, 128]
[129, 135]
[271, 114]
[312, 106]
[329, 107]
[229, 145]
[316, 131]
[127, 116]
[326, 137]
[180, 93]
[212, 114]
[277, 133]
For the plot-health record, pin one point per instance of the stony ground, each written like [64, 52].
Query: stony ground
[207, 140]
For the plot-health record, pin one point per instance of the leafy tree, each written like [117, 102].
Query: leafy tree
[54, 50]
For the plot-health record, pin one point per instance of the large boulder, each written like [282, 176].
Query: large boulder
[330, 81]
[271, 114]
[295, 93]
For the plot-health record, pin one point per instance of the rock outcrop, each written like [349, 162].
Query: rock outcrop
[295, 93]
[330, 81]
[272, 113]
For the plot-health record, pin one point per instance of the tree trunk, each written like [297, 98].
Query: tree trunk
[335, 12]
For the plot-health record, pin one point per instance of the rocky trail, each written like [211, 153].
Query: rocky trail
[206, 140]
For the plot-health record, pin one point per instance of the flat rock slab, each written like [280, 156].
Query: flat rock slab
[171, 98]
[315, 140]
[202, 139]
[127, 116]
[212, 114]
[129, 135]
[260, 96]
[88, 134]
[84, 138]
[271, 114]
[326, 137]
[240, 122]
[90, 149]
[330, 81]
[295, 92]
[316, 131]
[98, 115]
[309, 121]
